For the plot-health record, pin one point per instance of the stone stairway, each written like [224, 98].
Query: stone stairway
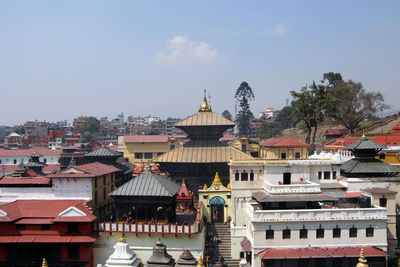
[222, 247]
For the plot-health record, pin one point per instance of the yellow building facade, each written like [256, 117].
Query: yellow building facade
[216, 201]
[283, 148]
[246, 145]
[145, 148]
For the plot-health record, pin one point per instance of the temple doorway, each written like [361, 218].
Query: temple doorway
[217, 205]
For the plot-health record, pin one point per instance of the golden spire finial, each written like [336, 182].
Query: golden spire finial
[204, 107]
[216, 179]
[183, 181]
[122, 239]
[44, 263]
[205, 187]
[201, 263]
[362, 262]
[228, 186]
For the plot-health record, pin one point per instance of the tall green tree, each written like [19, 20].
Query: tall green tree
[314, 104]
[227, 115]
[244, 94]
[354, 104]
[333, 79]
[89, 129]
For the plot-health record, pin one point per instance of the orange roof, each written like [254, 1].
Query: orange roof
[38, 180]
[283, 142]
[146, 138]
[90, 170]
[320, 252]
[39, 209]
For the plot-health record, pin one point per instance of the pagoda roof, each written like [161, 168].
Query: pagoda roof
[368, 166]
[103, 152]
[203, 151]
[148, 184]
[283, 142]
[205, 118]
[364, 143]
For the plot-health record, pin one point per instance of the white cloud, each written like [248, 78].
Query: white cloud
[182, 50]
[279, 30]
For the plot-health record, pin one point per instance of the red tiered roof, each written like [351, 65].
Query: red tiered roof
[184, 194]
[283, 142]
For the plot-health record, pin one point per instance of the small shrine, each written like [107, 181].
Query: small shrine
[184, 199]
[160, 256]
[186, 259]
[35, 164]
[123, 256]
[217, 199]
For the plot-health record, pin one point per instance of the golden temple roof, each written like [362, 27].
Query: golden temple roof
[204, 118]
[203, 152]
[204, 107]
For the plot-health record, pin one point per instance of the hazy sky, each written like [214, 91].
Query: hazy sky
[61, 59]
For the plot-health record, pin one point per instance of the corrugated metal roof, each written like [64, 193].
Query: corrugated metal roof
[148, 184]
[203, 151]
[204, 119]
[263, 196]
[368, 166]
[364, 143]
[103, 152]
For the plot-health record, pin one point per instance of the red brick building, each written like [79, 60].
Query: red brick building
[59, 230]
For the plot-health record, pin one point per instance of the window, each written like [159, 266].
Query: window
[369, 232]
[320, 233]
[287, 178]
[95, 197]
[104, 180]
[148, 155]
[171, 147]
[251, 176]
[138, 155]
[237, 176]
[269, 234]
[319, 175]
[303, 233]
[20, 227]
[245, 176]
[286, 234]
[0, 161]
[45, 227]
[283, 156]
[241, 254]
[327, 175]
[353, 232]
[297, 155]
[383, 202]
[95, 182]
[104, 193]
[15, 161]
[73, 251]
[73, 228]
[336, 232]
[334, 175]
[45, 161]
[244, 148]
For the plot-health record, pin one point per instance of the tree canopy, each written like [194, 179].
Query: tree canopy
[227, 115]
[89, 129]
[244, 94]
[354, 105]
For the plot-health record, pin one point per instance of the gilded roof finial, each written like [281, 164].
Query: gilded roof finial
[201, 263]
[362, 262]
[44, 263]
[183, 181]
[216, 179]
[228, 186]
[204, 107]
[205, 187]
[122, 239]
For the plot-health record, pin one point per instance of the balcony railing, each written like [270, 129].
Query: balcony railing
[303, 187]
[333, 214]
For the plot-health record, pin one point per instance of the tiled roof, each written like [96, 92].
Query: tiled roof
[103, 152]
[44, 209]
[88, 170]
[146, 138]
[227, 138]
[366, 166]
[320, 252]
[46, 239]
[197, 151]
[204, 119]
[335, 132]
[8, 169]
[28, 152]
[364, 143]
[263, 196]
[38, 180]
[148, 184]
[378, 190]
[283, 142]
